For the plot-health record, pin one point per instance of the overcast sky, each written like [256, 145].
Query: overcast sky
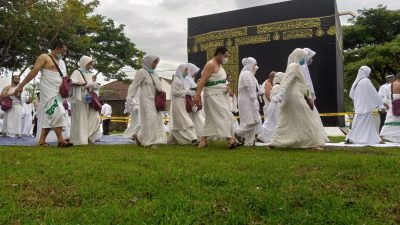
[160, 26]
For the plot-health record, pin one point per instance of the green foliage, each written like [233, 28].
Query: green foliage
[372, 39]
[126, 184]
[30, 27]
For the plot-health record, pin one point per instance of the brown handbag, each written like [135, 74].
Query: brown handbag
[6, 104]
[160, 98]
[189, 103]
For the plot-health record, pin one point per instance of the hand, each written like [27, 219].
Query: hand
[84, 84]
[190, 93]
[18, 91]
[197, 99]
[386, 106]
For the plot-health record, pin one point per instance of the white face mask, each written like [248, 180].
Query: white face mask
[224, 60]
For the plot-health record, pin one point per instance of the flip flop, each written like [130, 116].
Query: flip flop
[235, 145]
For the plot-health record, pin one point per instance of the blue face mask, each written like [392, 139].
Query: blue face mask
[59, 56]
[302, 62]
[150, 70]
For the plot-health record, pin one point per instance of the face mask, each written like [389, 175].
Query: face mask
[184, 74]
[302, 62]
[59, 56]
[150, 70]
[224, 60]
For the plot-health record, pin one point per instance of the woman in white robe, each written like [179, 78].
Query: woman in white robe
[85, 119]
[151, 131]
[391, 128]
[273, 112]
[366, 99]
[181, 125]
[196, 115]
[247, 101]
[297, 127]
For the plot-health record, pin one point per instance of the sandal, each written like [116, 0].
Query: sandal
[235, 145]
[44, 145]
[239, 138]
[65, 145]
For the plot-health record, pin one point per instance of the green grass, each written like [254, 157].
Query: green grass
[184, 185]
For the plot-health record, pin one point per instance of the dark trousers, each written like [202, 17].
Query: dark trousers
[106, 123]
[383, 118]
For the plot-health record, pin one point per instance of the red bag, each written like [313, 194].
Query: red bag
[96, 101]
[160, 100]
[189, 103]
[65, 87]
[6, 104]
[66, 83]
[395, 105]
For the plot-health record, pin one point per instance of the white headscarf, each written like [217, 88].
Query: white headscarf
[363, 72]
[148, 60]
[248, 64]
[179, 71]
[364, 94]
[310, 53]
[278, 77]
[306, 72]
[192, 71]
[84, 61]
[296, 55]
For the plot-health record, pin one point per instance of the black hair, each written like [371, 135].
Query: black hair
[58, 44]
[220, 49]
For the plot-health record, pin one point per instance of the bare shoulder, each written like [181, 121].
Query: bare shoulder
[6, 88]
[211, 66]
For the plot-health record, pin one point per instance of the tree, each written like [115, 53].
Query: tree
[31, 26]
[372, 39]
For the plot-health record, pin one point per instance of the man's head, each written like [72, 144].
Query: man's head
[221, 55]
[271, 76]
[15, 80]
[390, 78]
[60, 49]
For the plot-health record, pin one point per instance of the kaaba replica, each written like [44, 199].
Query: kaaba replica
[270, 33]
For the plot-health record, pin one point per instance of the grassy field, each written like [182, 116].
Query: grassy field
[184, 185]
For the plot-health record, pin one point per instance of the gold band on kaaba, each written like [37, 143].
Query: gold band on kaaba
[303, 28]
